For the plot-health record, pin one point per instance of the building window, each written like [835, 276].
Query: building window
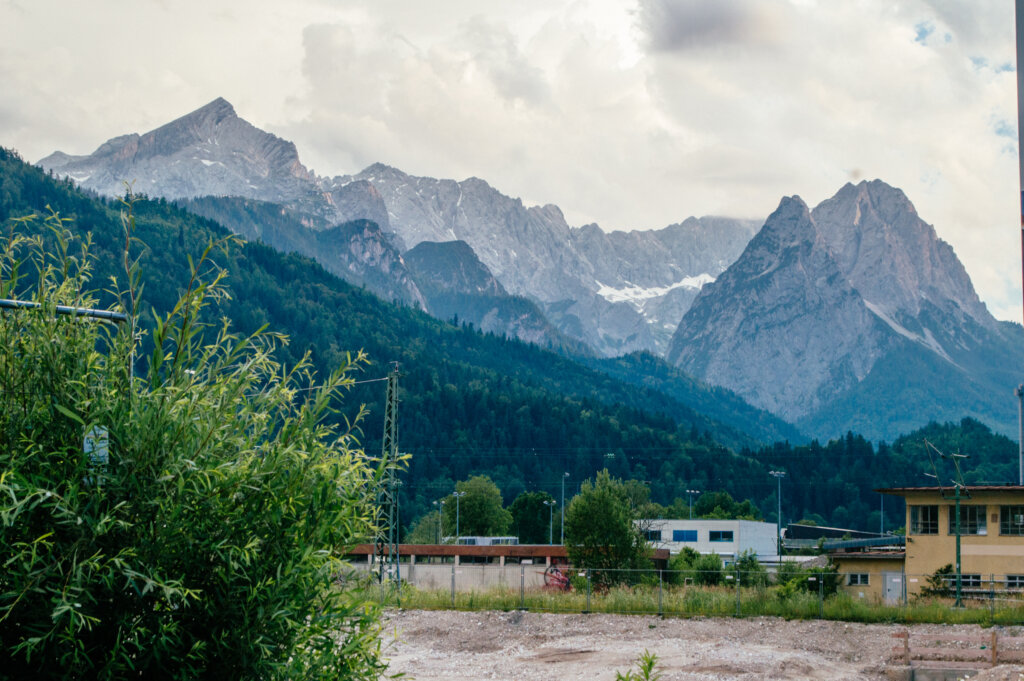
[972, 520]
[966, 581]
[924, 519]
[1011, 520]
[652, 535]
[684, 535]
[860, 579]
[1015, 581]
[720, 535]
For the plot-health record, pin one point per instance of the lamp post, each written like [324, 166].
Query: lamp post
[778, 475]
[564, 476]
[689, 494]
[440, 515]
[1019, 392]
[457, 495]
[551, 520]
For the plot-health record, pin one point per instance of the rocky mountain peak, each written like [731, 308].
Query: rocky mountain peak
[892, 256]
[210, 151]
[781, 326]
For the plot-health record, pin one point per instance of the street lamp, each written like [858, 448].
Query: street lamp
[564, 476]
[440, 515]
[457, 495]
[550, 503]
[778, 475]
[690, 493]
[1019, 392]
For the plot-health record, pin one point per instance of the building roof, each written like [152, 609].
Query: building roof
[798, 531]
[507, 550]
[869, 555]
[973, 489]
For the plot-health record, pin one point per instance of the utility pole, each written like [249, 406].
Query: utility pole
[457, 495]
[958, 484]
[387, 510]
[778, 475]
[564, 476]
[440, 515]
[1019, 392]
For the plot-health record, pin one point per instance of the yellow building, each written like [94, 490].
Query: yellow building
[873, 575]
[991, 535]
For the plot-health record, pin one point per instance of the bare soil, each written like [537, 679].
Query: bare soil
[455, 646]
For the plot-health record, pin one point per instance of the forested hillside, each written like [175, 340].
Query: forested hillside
[473, 403]
[469, 402]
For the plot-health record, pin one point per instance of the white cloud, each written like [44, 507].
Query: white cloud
[631, 116]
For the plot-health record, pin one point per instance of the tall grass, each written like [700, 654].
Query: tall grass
[713, 601]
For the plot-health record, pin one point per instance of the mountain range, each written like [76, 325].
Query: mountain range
[850, 315]
[614, 293]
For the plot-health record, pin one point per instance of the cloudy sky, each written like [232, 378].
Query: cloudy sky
[630, 113]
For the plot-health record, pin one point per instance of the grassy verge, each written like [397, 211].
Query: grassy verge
[690, 601]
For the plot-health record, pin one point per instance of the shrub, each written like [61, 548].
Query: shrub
[185, 524]
[708, 569]
[749, 571]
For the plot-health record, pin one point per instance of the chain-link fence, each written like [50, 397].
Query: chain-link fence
[792, 592]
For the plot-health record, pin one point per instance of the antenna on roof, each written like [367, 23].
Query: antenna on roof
[959, 491]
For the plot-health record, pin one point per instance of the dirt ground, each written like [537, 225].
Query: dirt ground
[456, 646]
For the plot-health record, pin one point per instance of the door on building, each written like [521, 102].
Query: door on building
[892, 586]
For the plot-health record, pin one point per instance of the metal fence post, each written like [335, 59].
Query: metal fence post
[661, 590]
[821, 598]
[739, 612]
[522, 587]
[992, 597]
[453, 585]
[588, 590]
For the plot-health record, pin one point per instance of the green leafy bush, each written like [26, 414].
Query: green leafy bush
[188, 523]
[749, 571]
[708, 570]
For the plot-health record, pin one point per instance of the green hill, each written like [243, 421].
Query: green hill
[470, 402]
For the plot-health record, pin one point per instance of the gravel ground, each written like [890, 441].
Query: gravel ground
[449, 645]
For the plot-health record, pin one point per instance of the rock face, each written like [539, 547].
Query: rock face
[616, 292]
[210, 151]
[459, 287]
[783, 326]
[821, 302]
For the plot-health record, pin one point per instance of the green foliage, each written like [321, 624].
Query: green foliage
[938, 583]
[680, 566]
[645, 669]
[206, 542]
[427, 530]
[787, 571]
[480, 511]
[749, 571]
[721, 505]
[533, 521]
[600, 532]
[707, 570]
[824, 578]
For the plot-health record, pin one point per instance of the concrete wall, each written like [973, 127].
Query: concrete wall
[469, 576]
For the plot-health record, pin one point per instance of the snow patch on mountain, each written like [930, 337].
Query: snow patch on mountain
[636, 295]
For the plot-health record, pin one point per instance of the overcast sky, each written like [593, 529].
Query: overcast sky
[633, 114]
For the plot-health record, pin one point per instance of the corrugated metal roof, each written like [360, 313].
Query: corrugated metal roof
[893, 540]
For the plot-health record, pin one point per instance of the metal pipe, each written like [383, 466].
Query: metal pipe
[107, 315]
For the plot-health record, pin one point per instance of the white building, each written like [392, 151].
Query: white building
[727, 538]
